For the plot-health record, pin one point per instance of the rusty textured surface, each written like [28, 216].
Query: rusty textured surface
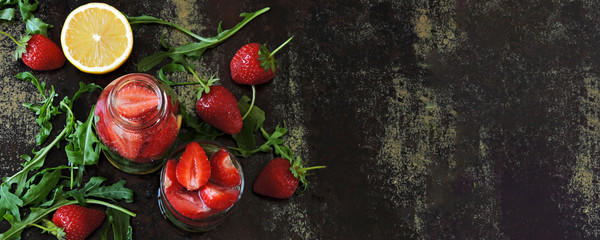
[436, 119]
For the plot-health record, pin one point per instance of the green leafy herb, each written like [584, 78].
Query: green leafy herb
[19, 179]
[41, 191]
[33, 25]
[94, 188]
[171, 68]
[194, 50]
[38, 192]
[46, 111]
[84, 147]
[246, 143]
[7, 14]
[120, 225]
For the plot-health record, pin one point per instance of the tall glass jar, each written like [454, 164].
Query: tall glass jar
[137, 120]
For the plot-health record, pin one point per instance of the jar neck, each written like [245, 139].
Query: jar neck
[154, 117]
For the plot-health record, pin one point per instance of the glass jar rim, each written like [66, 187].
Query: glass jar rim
[151, 83]
[220, 213]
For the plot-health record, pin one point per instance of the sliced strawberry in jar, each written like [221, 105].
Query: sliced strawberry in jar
[136, 101]
[223, 171]
[157, 143]
[218, 197]
[170, 182]
[127, 143]
[188, 204]
[193, 169]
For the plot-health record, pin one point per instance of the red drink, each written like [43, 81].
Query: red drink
[204, 206]
[137, 122]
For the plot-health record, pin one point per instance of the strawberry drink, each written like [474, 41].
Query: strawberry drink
[137, 122]
[200, 184]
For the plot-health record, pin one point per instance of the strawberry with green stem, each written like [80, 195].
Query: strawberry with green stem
[281, 176]
[38, 52]
[254, 64]
[217, 106]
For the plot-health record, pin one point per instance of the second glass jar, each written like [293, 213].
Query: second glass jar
[137, 120]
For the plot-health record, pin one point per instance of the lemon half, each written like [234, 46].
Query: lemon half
[96, 38]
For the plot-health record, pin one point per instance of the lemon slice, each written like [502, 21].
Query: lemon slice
[96, 38]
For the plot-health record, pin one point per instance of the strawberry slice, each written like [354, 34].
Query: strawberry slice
[127, 143]
[218, 197]
[136, 101]
[193, 169]
[223, 172]
[157, 143]
[188, 204]
[170, 182]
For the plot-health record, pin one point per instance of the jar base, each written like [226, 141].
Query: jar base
[131, 167]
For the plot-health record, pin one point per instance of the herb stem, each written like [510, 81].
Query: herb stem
[251, 103]
[197, 78]
[110, 205]
[12, 38]
[40, 227]
[281, 46]
[38, 157]
[133, 21]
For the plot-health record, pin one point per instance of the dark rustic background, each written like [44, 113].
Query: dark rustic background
[436, 119]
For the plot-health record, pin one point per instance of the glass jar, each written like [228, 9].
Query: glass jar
[137, 120]
[186, 209]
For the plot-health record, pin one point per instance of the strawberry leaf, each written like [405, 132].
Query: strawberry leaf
[267, 61]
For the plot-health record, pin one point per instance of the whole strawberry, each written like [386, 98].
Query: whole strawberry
[254, 64]
[219, 108]
[38, 52]
[280, 178]
[78, 222]
[41, 53]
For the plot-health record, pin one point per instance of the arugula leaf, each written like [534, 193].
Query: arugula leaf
[192, 50]
[170, 68]
[46, 111]
[10, 202]
[7, 2]
[84, 146]
[7, 14]
[120, 224]
[33, 25]
[36, 26]
[276, 141]
[107, 227]
[94, 188]
[83, 88]
[245, 138]
[36, 193]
